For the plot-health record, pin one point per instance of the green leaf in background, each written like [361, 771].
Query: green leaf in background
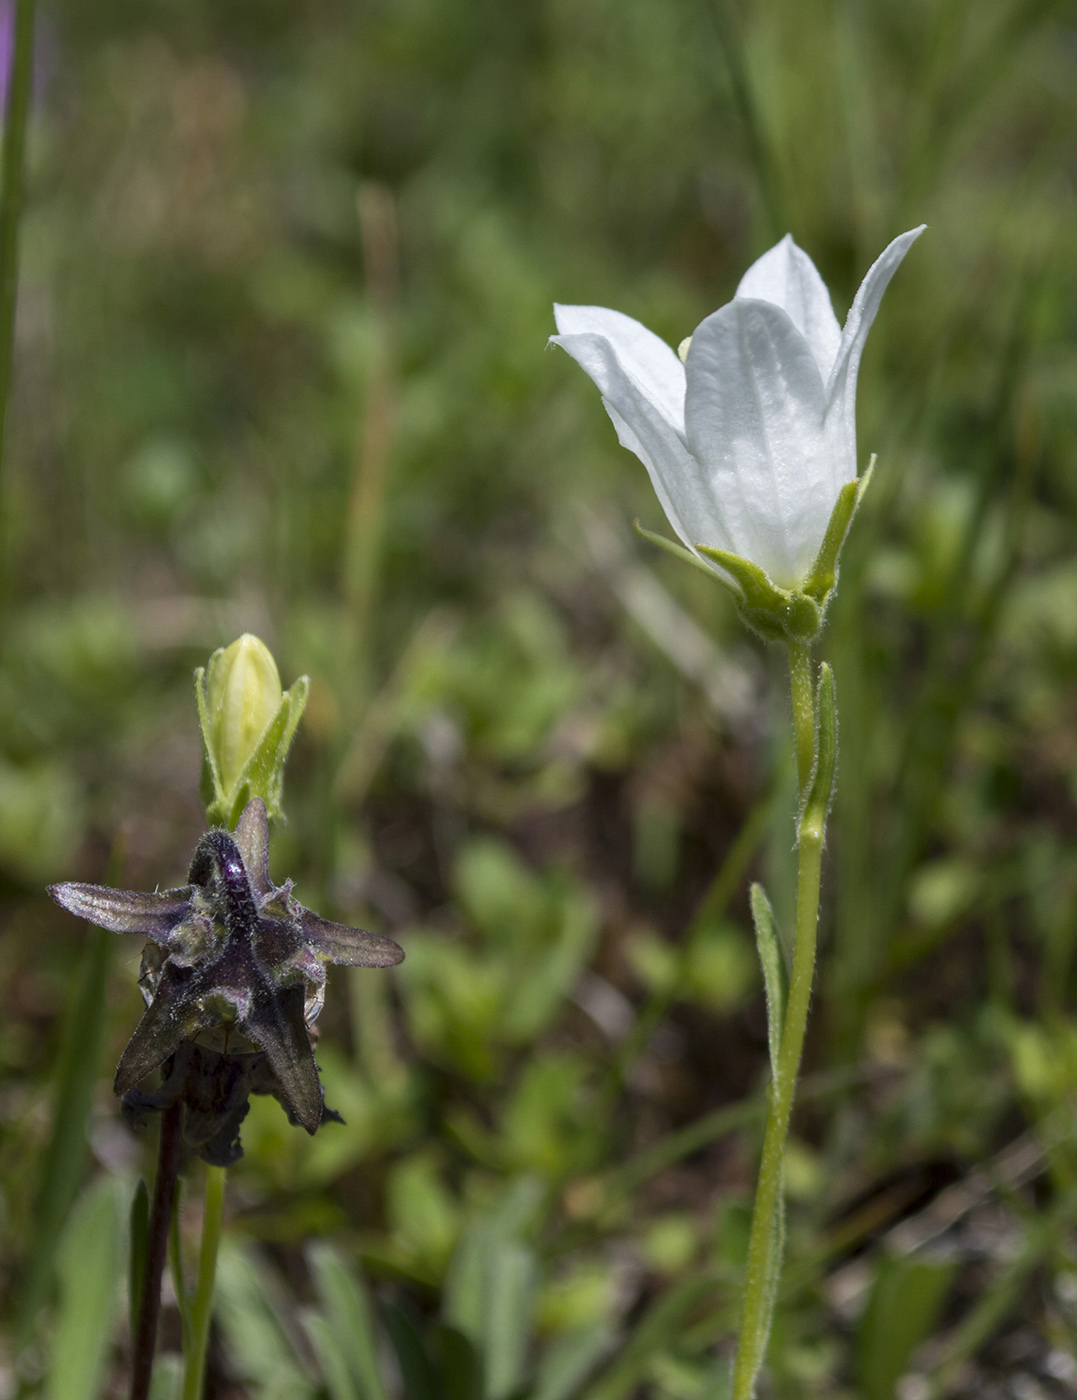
[510, 1299]
[420, 1378]
[570, 1359]
[90, 1265]
[461, 1364]
[138, 1241]
[906, 1297]
[65, 1156]
[252, 1312]
[348, 1315]
[328, 1347]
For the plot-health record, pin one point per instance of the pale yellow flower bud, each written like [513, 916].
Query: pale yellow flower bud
[247, 725]
[243, 693]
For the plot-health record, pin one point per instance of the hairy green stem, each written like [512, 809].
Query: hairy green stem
[803, 694]
[12, 163]
[202, 1305]
[765, 1239]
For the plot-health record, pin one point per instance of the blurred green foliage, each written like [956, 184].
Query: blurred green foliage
[287, 276]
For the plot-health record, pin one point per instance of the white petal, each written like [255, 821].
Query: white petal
[754, 418]
[841, 388]
[788, 278]
[644, 356]
[678, 480]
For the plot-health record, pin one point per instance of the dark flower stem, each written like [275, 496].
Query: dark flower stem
[164, 1189]
[12, 164]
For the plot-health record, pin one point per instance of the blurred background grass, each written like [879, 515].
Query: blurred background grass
[287, 278]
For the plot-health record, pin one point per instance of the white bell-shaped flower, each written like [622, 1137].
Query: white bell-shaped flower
[751, 439]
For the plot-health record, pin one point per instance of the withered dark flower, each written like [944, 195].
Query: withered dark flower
[233, 977]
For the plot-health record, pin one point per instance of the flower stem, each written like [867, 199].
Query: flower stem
[164, 1188]
[202, 1304]
[765, 1240]
[803, 693]
[12, 162]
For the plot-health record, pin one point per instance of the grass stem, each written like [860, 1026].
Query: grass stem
[12, 166]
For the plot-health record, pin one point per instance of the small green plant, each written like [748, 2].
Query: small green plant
[749, 437]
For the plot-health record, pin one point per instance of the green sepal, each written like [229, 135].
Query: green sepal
[779, 614]
[679, 552]
[824, 773]
[771, 961]
[263, 773]
[823, 578]
[209, 784]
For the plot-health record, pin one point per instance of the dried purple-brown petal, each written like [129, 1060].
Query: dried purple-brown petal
[126, 911]
[236, 968]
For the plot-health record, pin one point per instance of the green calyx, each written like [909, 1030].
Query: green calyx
[781, 614]
[247, 725]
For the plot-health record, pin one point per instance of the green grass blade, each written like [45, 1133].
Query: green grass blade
[65, 1156]
[420, 1378]
[569, 1360]
[508, 1317]
[136, 1255]
[348, 1312]
[902, 1309]
[328, 1347]
[90, 1267]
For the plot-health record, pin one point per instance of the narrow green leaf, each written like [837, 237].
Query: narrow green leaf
[347, 1308]
[771, 959]
[136, 1254]
[328, 1347]
[821, 792]
[65, 1156]
[90, 1265]
[570, 1359]
[513, 1272]
[461, 1364]
[659, 1325]
[464, 1299]
[254, 1315]
[904, 1304]
[416, 1368]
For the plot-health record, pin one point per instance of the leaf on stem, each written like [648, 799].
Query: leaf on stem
[821, 792]
[774, 972]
